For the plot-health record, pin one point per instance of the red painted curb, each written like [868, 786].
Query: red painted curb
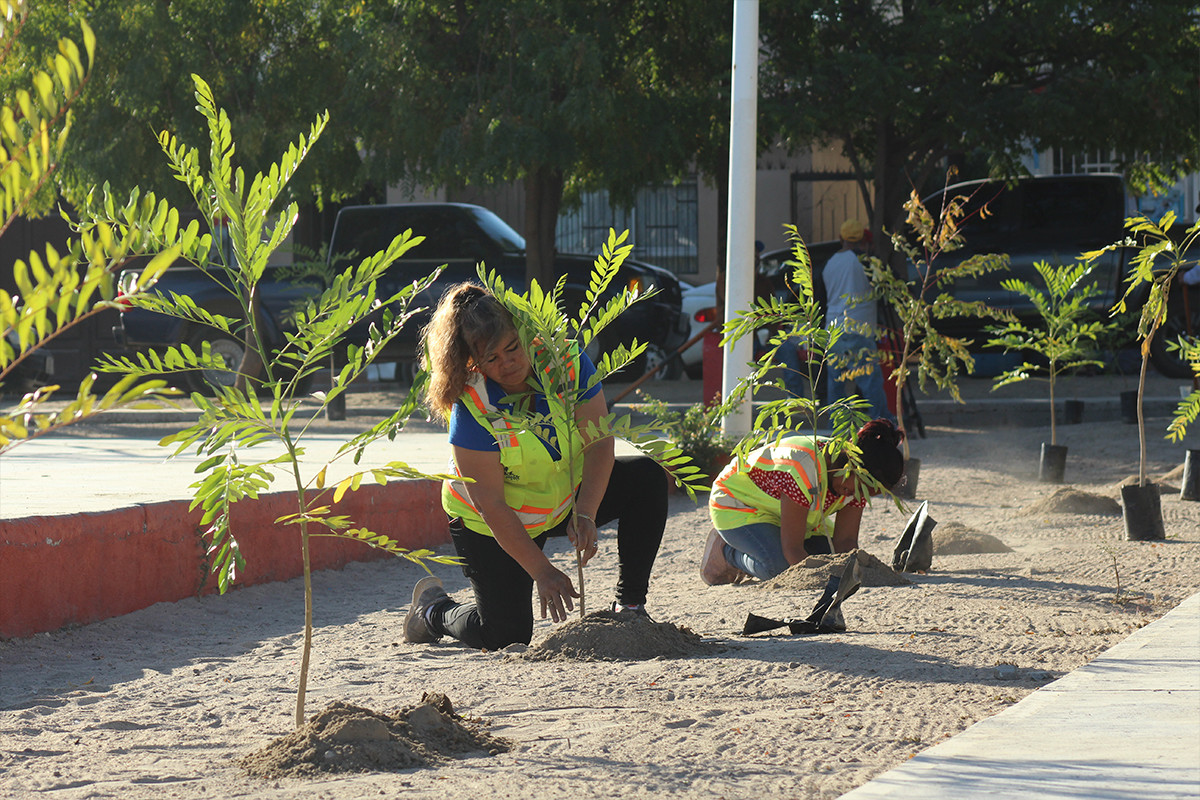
[73, 569]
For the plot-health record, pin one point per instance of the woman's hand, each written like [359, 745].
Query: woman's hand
[581, 530]
[555, 591]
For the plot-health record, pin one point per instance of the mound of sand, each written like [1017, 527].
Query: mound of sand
[612, 636]
[1163, 486]
[1174, 475]
[346, 738]
[1072, 501]
[954, 538]
[813, 573]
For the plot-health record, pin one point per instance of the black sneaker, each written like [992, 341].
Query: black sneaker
[427, 592]
[637, 610]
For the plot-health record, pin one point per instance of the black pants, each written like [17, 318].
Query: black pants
[502, 613]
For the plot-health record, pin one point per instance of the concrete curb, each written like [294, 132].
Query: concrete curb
[75, 569]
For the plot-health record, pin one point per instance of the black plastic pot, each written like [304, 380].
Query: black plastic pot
[1190, 490]
[1053, 463]
[1129, 407]
[1141, 506]
[908, 483]
[1072, 412]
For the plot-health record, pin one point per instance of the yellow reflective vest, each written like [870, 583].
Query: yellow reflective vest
[736, 500]
[537, 487]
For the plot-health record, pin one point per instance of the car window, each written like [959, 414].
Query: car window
[1071, 208]
[450, 233]
[499, 231]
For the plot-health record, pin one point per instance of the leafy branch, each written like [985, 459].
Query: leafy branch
[1159, 258]
[925, 299]
[236, 419]
[56, 291]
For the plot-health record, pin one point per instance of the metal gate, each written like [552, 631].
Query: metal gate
[663, 226]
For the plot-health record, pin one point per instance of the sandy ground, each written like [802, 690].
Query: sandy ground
[164, 702]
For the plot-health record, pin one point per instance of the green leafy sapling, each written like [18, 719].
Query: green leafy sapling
[800, 317]
[1066, 340]
[920, 302]
[797, 318]
[57, 290]
[1158, 259]
[554, 338]
[234, 420]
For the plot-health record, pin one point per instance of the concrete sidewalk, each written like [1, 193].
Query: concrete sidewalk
[1124, 727]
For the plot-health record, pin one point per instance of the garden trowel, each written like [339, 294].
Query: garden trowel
[826, 616]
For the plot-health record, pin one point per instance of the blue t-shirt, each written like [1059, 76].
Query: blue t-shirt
[467, 433]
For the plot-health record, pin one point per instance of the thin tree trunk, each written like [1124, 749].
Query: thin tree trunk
[1053, 439]
[252, 359]
[579, 572]
[308, 630]
[1140, 418]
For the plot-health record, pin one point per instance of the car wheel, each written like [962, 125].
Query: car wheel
[1171, 363]
[655, 354]
[229, 349]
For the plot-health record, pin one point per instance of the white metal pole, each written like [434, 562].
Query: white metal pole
[739, 240]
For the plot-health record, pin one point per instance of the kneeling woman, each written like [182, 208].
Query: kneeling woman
[522, 491]
[788, 501]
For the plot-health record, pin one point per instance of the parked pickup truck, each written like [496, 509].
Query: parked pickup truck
[460, 236]
[457, 236]
[1056, 219]
[1051, 218]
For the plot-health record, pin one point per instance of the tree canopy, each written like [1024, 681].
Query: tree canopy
[905, 85]
[572, 95]
[564, 95]
[273, 64]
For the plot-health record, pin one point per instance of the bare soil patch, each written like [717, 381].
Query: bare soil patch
[348, 738]
[1068, 500]
[814, 572]
[954, 538]
[623, 636]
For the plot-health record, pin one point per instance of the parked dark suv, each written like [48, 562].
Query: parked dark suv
[459, 236]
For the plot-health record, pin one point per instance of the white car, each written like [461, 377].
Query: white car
[700, 307]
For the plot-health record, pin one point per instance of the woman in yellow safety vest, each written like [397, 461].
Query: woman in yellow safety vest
[522, 491]
[792, 499]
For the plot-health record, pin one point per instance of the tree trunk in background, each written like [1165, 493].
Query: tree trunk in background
[543, 198]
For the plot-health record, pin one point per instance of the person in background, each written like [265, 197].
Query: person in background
[523, 491]
[851, 306]
[790, 500]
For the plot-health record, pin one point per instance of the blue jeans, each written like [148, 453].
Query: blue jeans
[757, 549]
[870, 385]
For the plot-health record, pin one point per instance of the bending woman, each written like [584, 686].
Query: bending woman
[522, 492]
[788, 501]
